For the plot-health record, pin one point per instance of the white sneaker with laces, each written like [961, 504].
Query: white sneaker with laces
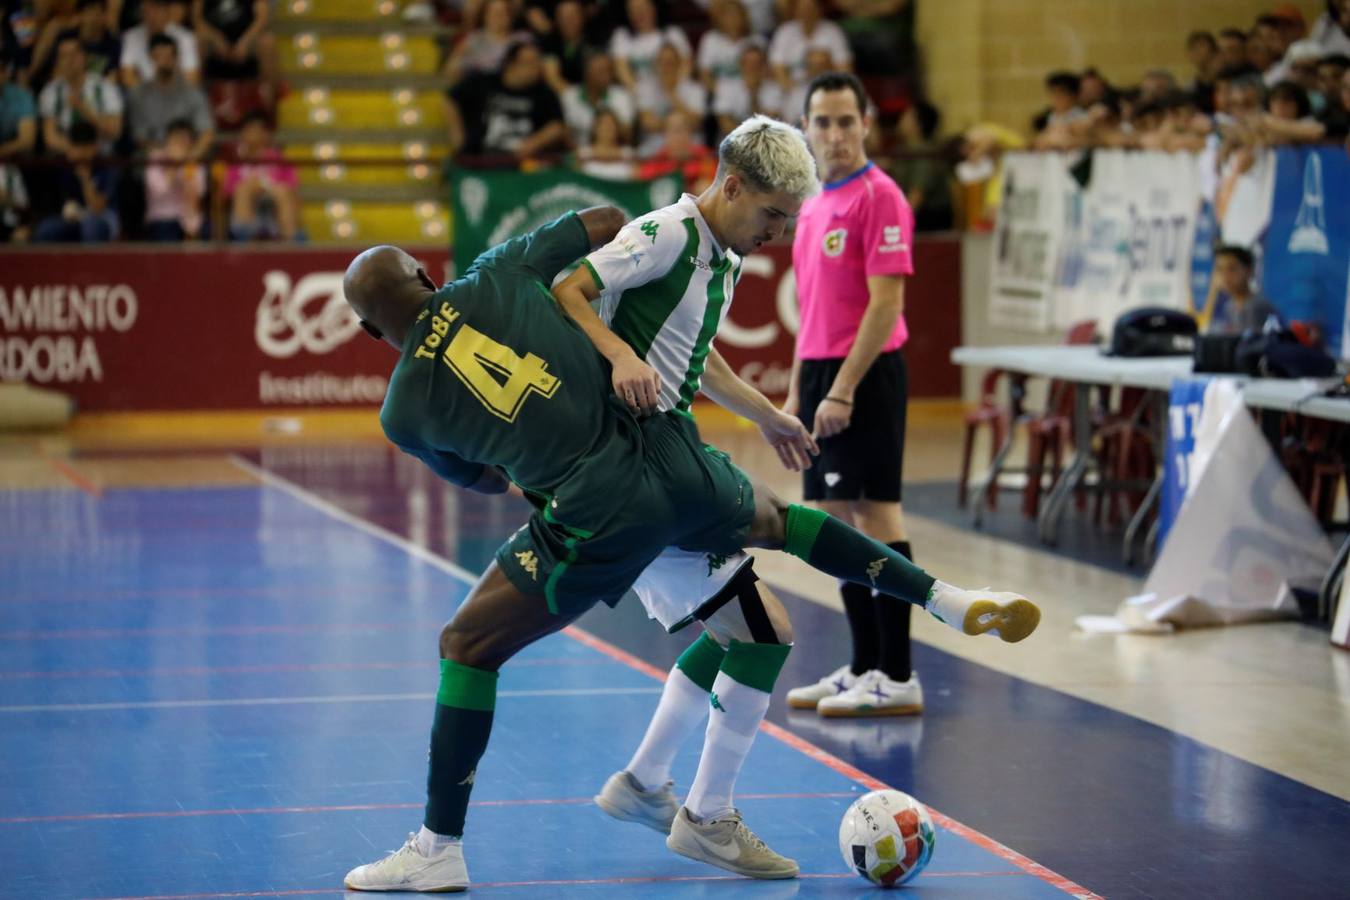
[1010, 616]
[624, 799]
[838, 681]
[728, 844]
[407, 869]
[873, 694]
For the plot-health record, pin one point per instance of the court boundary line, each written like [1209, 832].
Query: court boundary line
[1025, 863]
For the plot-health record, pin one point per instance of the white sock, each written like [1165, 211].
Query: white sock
[683, 706]
[429, 843]
[731, 730]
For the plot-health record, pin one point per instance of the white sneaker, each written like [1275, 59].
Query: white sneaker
[728, 844]
[1010, 616]
[408, 870]
[624, 799]
[873, 694]
[838, 681]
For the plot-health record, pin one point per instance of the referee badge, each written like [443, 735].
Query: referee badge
[833, 245]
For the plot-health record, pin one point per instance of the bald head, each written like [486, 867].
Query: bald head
[386, 288]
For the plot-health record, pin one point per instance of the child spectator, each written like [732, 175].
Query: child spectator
[261, 186]
[1232, 307]
[174, 187]
[681, 151]
[604, 153]
[923, 172]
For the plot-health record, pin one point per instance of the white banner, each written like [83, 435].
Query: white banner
[1064, 254]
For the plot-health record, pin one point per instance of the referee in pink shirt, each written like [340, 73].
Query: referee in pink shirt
[851, 254]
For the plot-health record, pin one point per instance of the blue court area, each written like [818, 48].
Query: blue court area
[223, 692]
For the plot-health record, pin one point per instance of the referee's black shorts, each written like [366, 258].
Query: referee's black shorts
[865, 460]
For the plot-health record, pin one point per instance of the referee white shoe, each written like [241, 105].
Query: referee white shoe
[874, 694]
[807, 697]
[407, 869]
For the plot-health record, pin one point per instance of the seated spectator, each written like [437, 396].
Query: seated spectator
[720, 48]
[18, 120]
[636, 46]
[604, 153]
[175, 186]
[86, 195]
[102, 49]
[762, 14]
[794, 40]
[483, 49]
[166, 98]
[922, 171]
[754, 92]
[818, 62]
[669, 90]
[73, 95]
[1332, 28]
[880, 34]
[581, 103]
[681, 151]
[1093, 88]
[1156, 84]
[261, 186]
[13, 206]
[1061, 90]
[513, 113]
[565, 48]
[137, 65]
[1232, 307]
[235, 43]
[1232, 44]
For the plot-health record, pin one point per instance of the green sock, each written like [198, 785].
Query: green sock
[836, 549]
[701, 660]
[459, 735]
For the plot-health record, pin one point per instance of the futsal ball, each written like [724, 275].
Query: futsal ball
[887, 837]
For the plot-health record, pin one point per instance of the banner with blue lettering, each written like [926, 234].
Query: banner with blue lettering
[1306, 266]
[1202, 256]
[1183, 413]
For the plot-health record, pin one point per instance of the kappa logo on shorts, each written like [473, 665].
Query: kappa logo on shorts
[833, 478]
[833, 245]
[874, 569]
[716, 561]
[468, 779]
[529, 562]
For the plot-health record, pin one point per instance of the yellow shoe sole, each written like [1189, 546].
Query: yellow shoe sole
[1013, 620]
[802, 704]
[868, 712]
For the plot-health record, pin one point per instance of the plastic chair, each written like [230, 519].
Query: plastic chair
[996, 417]
[1052, 430]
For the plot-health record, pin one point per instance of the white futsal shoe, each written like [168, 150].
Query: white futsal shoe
[728, 844]
[624, 799]
[1010, 616]
[838, 681]
[407, 869]
[873, 694]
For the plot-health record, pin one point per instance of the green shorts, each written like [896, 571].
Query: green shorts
[614, 515]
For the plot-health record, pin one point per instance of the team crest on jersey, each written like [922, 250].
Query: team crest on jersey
[833, 244]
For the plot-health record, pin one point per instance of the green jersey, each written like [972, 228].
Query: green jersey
[493, 372]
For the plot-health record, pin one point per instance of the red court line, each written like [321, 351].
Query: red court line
[80, 634]
[852, 772]
[74, 476]
[359, 807]
[290, 592]
[578, 882]
[157, 672]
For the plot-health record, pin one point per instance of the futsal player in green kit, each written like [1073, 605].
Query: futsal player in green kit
[496, 385]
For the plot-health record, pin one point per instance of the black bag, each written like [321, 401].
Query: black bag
[1153, 331]
[1278, 354]
[1216, 353]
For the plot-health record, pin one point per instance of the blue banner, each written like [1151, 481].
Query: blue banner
[1183, 414]
[1202, 255]
[1306, 266]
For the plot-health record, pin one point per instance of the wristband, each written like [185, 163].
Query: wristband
[837, 400]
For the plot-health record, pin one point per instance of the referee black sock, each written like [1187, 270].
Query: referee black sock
[861, 610]
[892, 620]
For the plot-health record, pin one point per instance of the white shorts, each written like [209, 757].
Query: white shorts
[678, 582]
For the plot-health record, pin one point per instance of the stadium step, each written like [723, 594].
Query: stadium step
[380, 81]
[400, 107]
[390, 53]
[371, 12]
[412, 167]
[343, 221]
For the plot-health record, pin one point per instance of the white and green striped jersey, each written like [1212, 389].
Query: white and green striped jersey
[665, 287]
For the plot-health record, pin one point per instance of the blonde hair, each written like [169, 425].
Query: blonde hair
[769, 156]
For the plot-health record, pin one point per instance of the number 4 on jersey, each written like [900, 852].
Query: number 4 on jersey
[481, 363]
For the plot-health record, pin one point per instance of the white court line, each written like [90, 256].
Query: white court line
[290, 701]
[309, 498]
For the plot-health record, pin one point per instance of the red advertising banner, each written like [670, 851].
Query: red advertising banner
[207, 328]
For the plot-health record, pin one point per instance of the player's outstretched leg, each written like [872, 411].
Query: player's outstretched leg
[495, 622]
[643, 792]
[834, 548]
